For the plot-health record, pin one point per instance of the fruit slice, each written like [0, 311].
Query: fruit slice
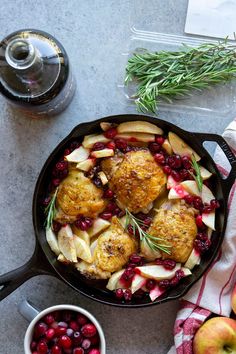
[112, 283]
[191, 187]
[90, 140]
[186, 271]
[177, 192]
[78, 155]
[180, 147]
[86, 165]
[205, 173]
[98, 226]
[52, 241]
[93, 246]
[193, 259]
[147, 252]
[66, 243]
[171, 182]
[82, 250]
[156, 292]
[137, 137]
[207, 194]
[167, 147]
[102, 153]
[137, 283]
[209, 219]
[62, 259]
[103, 177]
[157, 272]
[81, 234]
[139, 127]
[106, 125]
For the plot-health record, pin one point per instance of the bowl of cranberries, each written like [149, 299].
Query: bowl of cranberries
[64, 329]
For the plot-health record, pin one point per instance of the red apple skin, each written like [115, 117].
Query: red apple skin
[233, 300]
[215, 336]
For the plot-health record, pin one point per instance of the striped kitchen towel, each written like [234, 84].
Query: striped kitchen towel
[212, 293]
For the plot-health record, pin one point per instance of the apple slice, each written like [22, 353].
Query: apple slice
[98, 226]
[82, 249]
[191, 187]
[209, 219]
[207, 194]
[62, 259]
[112, 283]
[177, 192]
[122, 221]
[171, 182]
[137, 283]
[186, 271]
[180, 147]
[146, 138]
[86, 165]
[52, 241]
[81, 234]
[157, 272]
[156, 292]
[139, 127]
[66, 243]
[147, 252]
[205, 174]
[167, 147]
[78, 155]
[90, 140]
[106, 125]
[103, 177]
[93, 246]
[193, 259]
[102, 153]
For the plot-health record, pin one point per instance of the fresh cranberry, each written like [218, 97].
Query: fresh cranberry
[63, 324]
[197, 203]
[116, 211]
[135, 258]
[88, 330]
[42, 347]
[202, 246]
[189, 199]
[111, 145]
[176, 175]
[46, 201]
[139, 294]
[184, 174]
[154, 147]
[167, 169]
[50, 333]
[110, 133]
[108, 194]
[97, 181]
[186, 161]
[127, 295]
[150, 284]
[164, 283]
[199, 222]
[69, 332]
[174, 161]
[60, 331]
[74, 325]
[56, 350]
[77, 338]
[147, 221]
[86, 344]
[128, 274]
[169, 264]
[40, 329]
[67, 152]
[159, 158]
[159, 261]
[94, 340]
[130, 229]
[159, 139]
[56, 182]
[83, 223]
[207, 209]
[215, 203]
[33, 345]
[62, 165]
[106, 215]
[65, 342]
[121, 144]
[174, 281]
[78, 350]
[202, 236]
[179, 274]
[98, 146]
[94, 351]
[74, 145]
[119, 294]
[121, 213]
[81, 319]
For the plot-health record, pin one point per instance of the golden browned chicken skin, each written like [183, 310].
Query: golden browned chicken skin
[78, 195]
[177, 229]
[137, 180]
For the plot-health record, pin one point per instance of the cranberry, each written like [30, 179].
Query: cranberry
[159, 261]
[33, 345]
[197, 203]
[202, 246]
[184, 174]
[69, 332]
[169, 264]
[189, 199]
[186, 161]
[121, 213]
[130, 229]
[179, 274]
[62, 165]
[56, 182]
[83, 223]
[94, 351]
[42, 347]
[164, 283]
[46, 201]
[60, 331]
[147, 221]
[159, 158]
[88, 330]
[110, 133]
[154, 147]
[128, 274]
[121, 144]
[174, 161]
[111, 145]
[135, 258]
[106, 215]
[202, 236]
[74, 325]
[81, 319]
[98, 183]
[63, 324]
[56, 350]
[215, 203]
[65, 342]
[167, 169]
[74, 145]
[150, 284]
[174, 281]
[139, 294]
[207, 209]
[94, 340]
[127, 295]
[159, 139]
[77, 338]
[40, 329]
[176, 175]
[199, 222]
[98, 146]
[86, 344]
[50, 333]
[119, 294]
[108, 194]
[67, 152]
[78, 350]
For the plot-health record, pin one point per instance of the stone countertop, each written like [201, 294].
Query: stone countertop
[94, 33]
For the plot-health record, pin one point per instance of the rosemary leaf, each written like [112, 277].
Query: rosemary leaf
[197, 177]
[50, 210]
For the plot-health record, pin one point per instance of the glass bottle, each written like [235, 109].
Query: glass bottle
[35, 74]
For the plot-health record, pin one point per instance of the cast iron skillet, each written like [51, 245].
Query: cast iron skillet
[44, 261]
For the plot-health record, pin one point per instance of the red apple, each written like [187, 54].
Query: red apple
[216, 336]
[233, 299]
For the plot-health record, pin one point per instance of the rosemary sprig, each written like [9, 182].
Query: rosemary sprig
[197, 176]
[152, 242]
[50, 210]
[166, 75]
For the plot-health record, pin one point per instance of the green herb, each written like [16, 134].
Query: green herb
[50, 210]
[166, 75]
[197, 176]
[152, 242]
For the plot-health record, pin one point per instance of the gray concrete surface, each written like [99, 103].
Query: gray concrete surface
[94, 33]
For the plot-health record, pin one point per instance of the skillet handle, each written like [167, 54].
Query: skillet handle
[229, 181]
[38, 264]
